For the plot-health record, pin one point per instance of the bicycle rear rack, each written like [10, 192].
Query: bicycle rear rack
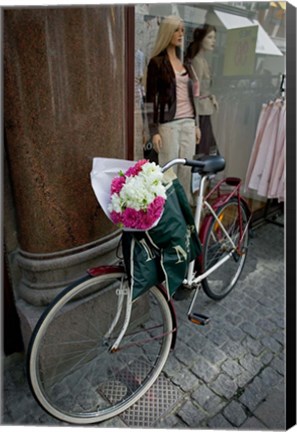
[225, 196]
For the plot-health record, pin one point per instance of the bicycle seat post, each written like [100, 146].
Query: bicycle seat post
[199, 206]
[197, 220]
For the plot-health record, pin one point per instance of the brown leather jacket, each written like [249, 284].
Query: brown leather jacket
[161, 91]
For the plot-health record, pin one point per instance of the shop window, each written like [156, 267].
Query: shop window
[246, 69]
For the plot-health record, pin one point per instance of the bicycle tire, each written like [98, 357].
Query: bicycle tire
[219, 283]
[72, 374]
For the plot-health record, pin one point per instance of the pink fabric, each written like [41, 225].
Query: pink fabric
[184, 107]
[266, 146]
[266, 169]
[277, 185]
[271, 135]
[264, 115]
[196, 88]
[281, 187]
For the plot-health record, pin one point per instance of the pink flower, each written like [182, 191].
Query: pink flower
[156, 207]
[147, 220]
[117, 184]
[139, 219]
[116, 217]
[135, 169]
[131, 218]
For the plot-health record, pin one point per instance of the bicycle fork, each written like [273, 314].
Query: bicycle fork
[121, 293]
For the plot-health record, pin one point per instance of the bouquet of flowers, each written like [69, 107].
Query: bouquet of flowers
[137, 196]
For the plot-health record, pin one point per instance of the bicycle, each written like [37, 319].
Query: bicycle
[94, 368]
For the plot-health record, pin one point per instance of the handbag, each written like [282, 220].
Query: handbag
[149, 153]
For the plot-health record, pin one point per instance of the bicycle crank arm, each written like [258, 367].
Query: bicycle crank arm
[198, 319]
[194, 317]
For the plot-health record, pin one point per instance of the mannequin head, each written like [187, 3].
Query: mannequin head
[209, 41]
[204, 39]
[171, 31]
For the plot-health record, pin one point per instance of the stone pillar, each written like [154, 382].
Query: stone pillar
[64, 99]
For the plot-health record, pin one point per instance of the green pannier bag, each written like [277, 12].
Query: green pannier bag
[163, 253]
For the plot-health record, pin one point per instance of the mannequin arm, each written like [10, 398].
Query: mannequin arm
[197, 64]
[215, 102]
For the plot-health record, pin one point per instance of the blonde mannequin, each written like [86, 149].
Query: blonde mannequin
[171, 111]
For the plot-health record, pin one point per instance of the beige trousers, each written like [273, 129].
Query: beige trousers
[178, 141]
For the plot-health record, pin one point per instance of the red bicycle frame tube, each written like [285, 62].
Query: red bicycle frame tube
[108, 269]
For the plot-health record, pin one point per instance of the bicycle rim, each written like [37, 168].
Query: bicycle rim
[73, 374]
[220, 282]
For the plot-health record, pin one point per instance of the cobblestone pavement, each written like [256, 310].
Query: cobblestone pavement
[226, 375]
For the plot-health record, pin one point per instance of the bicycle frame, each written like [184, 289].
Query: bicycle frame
[202, 202]
[193, 280]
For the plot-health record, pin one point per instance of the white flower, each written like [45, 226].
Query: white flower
[139, 191]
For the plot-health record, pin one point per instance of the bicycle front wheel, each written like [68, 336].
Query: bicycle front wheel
[217, 245]
[73, 373]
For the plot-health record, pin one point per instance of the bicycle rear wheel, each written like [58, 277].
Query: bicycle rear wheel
[71, 370]
[216, 245]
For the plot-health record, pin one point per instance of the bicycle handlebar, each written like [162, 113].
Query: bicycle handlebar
[172, 163]
[205, 165]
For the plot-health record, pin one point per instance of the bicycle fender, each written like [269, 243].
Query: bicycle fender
[100, 270]
[173, 314]
[247, 207]
[204, 228]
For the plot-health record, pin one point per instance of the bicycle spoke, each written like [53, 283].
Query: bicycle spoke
[75, 375]
[217, 245]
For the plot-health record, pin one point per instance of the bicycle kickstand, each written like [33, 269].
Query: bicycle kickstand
[194, 317]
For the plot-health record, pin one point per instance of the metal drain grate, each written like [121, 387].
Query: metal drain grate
[160, 399]
[125, 380]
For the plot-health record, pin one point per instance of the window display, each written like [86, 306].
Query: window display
[243, 67]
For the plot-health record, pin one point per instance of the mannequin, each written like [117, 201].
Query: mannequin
[170, 105]
[204, 40]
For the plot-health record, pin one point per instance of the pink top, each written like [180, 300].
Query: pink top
[184, 107]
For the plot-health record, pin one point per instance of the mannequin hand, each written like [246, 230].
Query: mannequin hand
[198, 135]
[157, 143]
[215, 102]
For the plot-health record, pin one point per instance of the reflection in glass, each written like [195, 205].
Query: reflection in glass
[246, 66]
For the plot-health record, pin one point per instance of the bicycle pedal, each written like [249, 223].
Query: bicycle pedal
[198, 319]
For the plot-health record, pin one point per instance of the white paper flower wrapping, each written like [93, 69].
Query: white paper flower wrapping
[130, 193]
